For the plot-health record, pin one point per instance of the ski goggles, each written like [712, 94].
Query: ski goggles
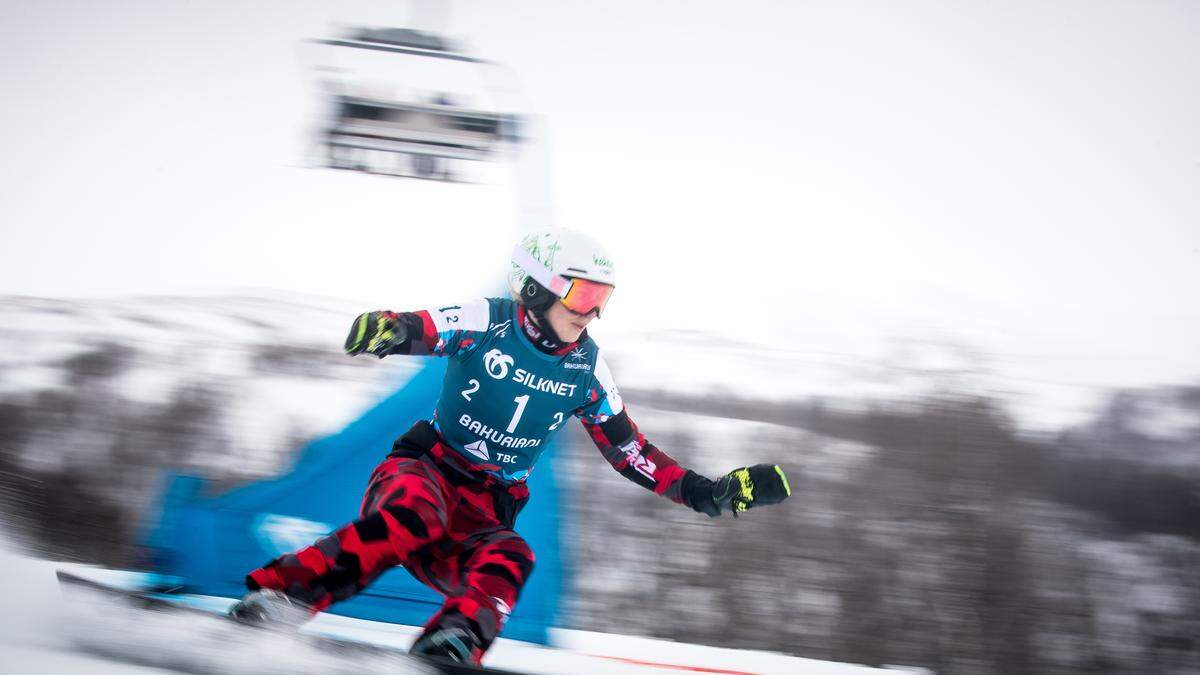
[583, 296]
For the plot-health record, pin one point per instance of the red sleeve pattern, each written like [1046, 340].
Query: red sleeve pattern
[635, 458]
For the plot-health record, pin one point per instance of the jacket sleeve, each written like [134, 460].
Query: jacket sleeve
[444, 331]
[626, 449]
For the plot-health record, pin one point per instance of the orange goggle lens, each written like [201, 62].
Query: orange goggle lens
[585, 296]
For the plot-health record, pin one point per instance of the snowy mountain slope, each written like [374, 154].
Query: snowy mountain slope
[274, 368]
[925, 518]
[263, 374]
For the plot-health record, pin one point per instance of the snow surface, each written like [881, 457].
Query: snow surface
[42, 630]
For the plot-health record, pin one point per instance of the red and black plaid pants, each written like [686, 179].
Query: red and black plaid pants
[425, 510]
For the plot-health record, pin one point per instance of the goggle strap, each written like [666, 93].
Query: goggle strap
[558, 285]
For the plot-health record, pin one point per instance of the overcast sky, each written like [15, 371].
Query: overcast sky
[1021, 174]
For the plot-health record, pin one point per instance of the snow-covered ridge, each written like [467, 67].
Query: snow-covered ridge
[258, 375]
[1042, 394]
[227, 339]
[273, 367]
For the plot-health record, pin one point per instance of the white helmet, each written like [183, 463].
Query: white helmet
[555, 259]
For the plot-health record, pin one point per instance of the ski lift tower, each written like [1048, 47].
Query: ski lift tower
[382, 123]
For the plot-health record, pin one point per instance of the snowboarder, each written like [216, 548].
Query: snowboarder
[444, 502]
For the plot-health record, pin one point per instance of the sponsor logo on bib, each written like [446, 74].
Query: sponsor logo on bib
[497, 362]
[478, 448]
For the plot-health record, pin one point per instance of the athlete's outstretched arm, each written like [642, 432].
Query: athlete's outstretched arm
[440, 332]
[639, 460]
[635, 458]
[627, 450]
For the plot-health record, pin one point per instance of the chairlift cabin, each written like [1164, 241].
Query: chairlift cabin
[425, 124]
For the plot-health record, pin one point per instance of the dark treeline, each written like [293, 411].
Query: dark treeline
[1101, 468]
[956, 544]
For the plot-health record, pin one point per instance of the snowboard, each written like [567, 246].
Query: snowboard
[151, 603]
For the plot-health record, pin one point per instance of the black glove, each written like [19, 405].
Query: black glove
[738, 490]
[377, 333]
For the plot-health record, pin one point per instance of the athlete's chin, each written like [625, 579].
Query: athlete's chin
[572, 334]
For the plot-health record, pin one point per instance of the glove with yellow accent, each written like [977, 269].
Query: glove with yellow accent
[377, 333]
[741, 489]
